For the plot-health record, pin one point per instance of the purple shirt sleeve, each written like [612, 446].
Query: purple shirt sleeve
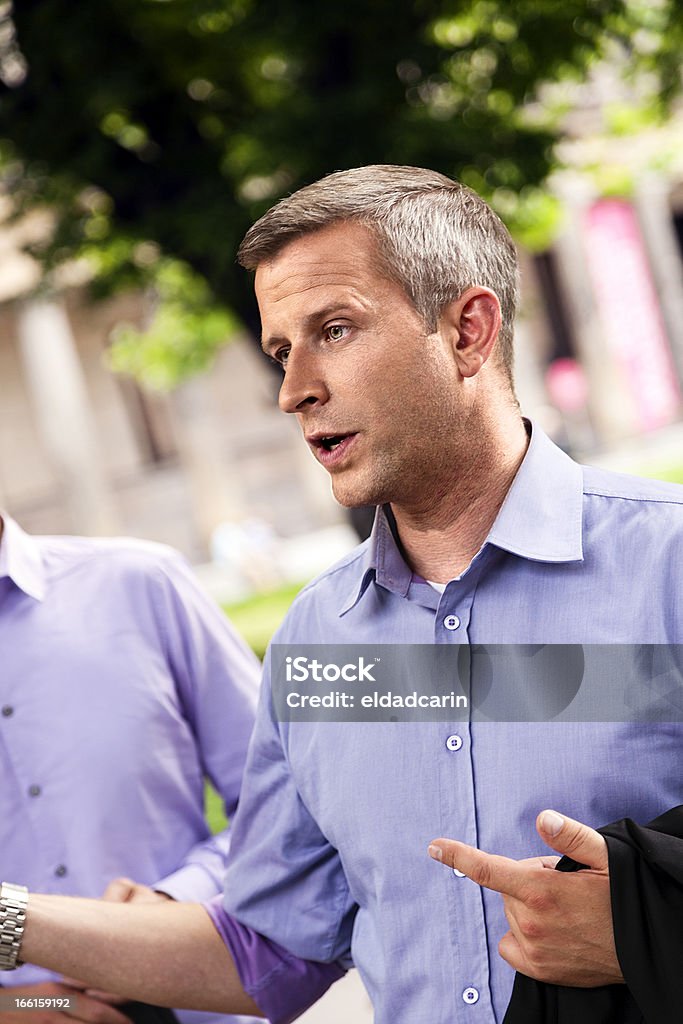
[282, 985]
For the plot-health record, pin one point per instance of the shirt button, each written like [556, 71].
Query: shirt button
[454, 742]
[7, 711]
[60, 871]
[34, 790]
[470, 996]
[451, 622]
[459, 874]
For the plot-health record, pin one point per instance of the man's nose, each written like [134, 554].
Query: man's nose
[303, 384]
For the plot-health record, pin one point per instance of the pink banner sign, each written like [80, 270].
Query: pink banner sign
[629, 310]
[567, 385]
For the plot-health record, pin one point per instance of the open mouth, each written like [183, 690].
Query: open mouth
[330, 448]
[332, 441]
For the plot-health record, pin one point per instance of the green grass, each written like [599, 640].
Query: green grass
[256, 619]
[213, 809]
[674, 474]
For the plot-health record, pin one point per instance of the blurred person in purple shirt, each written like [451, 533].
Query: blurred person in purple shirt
[387, 295]
[122, 686]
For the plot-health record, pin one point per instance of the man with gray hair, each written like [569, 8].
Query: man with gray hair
[387, 295]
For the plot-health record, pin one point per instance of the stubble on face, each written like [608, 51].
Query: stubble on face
[390, 381]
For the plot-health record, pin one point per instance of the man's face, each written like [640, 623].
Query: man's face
[375, 395]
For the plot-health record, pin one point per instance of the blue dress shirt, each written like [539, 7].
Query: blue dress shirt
[329, 854]
[121, 687]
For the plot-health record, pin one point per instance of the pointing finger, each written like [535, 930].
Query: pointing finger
[498, 873]
[574, 839]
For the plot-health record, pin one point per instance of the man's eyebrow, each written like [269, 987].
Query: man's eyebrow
[268, 344]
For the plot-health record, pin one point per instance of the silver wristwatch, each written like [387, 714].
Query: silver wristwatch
[13, 902]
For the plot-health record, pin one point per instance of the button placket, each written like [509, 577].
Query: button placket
[452, 627]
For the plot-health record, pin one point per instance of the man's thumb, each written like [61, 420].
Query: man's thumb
[581, 843]
[119, 890]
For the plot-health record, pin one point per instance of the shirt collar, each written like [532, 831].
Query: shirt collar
[540, 519]
[20, 560]
[542, 515]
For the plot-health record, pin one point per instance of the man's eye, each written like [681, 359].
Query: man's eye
[281, 356]
[336, 332]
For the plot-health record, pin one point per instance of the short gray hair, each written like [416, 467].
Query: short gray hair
[435, 236]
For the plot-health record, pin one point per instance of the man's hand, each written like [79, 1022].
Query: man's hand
[560, 922]
[124, 890]
[83, 1007]
[119, 890]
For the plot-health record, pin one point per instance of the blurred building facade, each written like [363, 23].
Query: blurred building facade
[605, 302]
[85, 451]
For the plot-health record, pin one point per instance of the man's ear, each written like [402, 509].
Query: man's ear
[473, 322]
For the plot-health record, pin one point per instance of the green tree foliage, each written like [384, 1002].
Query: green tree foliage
[157, 130]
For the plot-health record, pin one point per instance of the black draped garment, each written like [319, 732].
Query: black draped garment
[646, 886]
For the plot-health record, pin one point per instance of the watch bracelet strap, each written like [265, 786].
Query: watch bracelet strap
[13, 903]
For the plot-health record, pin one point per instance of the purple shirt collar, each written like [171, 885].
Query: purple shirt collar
[540, 519]
[20, 560]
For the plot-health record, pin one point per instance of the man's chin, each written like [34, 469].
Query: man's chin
[350, 496]
[354, 495]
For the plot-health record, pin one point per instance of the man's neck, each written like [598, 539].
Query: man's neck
[441, 536]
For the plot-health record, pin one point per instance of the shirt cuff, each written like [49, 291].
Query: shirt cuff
[282, 985]
[190, 884]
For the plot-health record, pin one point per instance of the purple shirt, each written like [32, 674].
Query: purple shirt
[121, 687]
[281, 984]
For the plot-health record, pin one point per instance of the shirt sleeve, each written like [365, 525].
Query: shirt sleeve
[281, 984]
[217, 678]
[285, 880]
